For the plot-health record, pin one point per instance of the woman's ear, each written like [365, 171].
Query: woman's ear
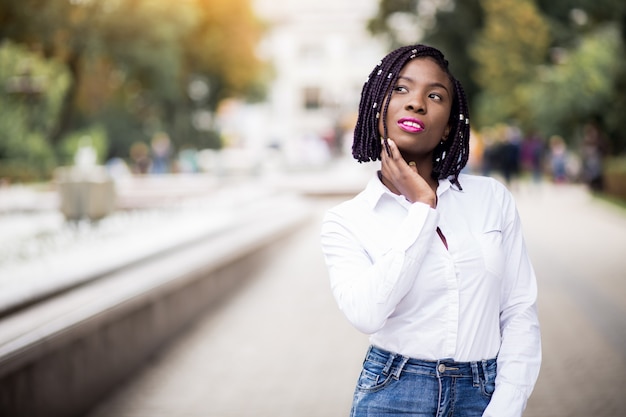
[446, 133]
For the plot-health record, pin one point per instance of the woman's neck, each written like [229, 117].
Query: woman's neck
[424, 165]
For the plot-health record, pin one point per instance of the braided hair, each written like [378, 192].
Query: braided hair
[450, 156]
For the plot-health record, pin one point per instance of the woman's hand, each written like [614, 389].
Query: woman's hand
[405, 178]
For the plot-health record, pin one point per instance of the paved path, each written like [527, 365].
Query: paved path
[578, 246]
[280, 347]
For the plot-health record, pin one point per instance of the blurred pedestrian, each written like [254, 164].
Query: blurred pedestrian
[510, 154]
[140, 157]
[558, 159]
[429, 261]
[592, 152]
[161, 150]
[532, 151]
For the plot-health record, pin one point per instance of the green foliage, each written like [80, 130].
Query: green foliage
[512, 43]
[123, 129]
[547, 65]
[579, 87]
[511, 46]
[615, 180]
[446, 25]
[33, 86]
[32, 90]
[94, 137]
[380, 24]
[221, 46]
[455, 26]
[596, 12]
[24, 155]
[128, 64]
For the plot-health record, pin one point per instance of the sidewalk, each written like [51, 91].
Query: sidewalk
[578, 246]
[280, 347]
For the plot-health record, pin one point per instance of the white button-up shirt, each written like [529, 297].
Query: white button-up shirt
[394, 279]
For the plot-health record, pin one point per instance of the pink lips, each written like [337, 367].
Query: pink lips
[408, 124]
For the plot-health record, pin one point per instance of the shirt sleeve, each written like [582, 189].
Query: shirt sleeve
[519, 358]
[368, 290]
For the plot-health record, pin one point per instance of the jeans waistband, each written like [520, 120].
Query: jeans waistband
[396, 363]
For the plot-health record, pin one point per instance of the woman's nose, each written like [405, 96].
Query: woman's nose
[415, 104]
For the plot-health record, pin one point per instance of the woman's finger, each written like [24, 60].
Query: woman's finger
[395, 157]
[385, 147]
[394, 149]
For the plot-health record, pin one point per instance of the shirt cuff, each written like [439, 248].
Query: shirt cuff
[507, 401]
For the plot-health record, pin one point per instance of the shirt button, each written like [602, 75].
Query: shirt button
[441, 368]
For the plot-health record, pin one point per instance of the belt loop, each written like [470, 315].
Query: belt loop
[390, 360]
[475, 374]
[400, 367]
[485, 372]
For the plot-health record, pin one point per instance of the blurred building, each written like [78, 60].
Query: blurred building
[321, 54]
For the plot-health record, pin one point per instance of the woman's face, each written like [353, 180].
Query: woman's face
[419, 108]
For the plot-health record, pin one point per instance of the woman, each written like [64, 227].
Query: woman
[431, 263]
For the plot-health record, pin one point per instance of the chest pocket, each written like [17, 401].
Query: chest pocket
[490, 242]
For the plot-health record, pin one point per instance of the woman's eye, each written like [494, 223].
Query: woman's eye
[435, 96]
[400, 89]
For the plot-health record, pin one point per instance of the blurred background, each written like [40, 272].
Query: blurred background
[164, 87]
[136, 130]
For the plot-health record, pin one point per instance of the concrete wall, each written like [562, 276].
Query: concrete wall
[61, 356]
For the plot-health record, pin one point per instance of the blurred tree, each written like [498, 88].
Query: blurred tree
[455, 27]
[580, 87]
[445, 24]
[219, 61]
[59, 29]
[577, 24]
[221, 46]
[131, 62]
[509, 51]
[382, 23]
[485, 43]
[568, 18]
[32, 90]
[138, 71]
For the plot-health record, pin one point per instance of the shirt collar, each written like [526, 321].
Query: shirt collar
[375, 189]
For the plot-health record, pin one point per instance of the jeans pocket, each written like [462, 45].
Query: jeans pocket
[372, 377]
[488, 384]
[487, 388]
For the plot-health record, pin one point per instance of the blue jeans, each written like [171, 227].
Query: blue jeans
[394, 385]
